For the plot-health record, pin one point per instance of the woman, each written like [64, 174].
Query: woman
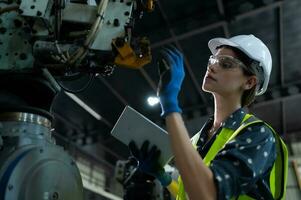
[235, 155]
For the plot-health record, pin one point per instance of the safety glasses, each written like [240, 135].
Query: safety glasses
[226, 62]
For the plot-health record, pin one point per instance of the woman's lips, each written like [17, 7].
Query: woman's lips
[210, 77]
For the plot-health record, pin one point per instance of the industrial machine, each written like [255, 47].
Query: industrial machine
[42, 42]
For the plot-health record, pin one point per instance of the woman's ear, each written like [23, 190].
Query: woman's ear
[250, 83]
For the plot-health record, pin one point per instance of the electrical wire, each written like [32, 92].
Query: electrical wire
[81, 52]
[91, 78]
[59, 86]
[9, 9]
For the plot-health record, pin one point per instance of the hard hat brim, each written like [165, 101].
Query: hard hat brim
[216, 42]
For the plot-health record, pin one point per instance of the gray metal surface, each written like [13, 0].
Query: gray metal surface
[15, 51]
[25, 117]
[84, 13]
[32, 167]
[18, 134]
[43, 173]
[34, 8]
[116, 11]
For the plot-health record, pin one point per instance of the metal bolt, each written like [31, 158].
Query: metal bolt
[127, 13]
[10, 187]
[55, 196]
[23, 56]
[2, 30]
[18, 23]
[39, 13]
[116, 22]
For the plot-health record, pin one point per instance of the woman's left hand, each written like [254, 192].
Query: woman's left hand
[171, 71]
[148, 161]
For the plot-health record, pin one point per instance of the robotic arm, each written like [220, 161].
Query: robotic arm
[67, 36]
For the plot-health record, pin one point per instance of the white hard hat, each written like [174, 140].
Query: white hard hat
[254, 48]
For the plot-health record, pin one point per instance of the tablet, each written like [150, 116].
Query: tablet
[132, 125]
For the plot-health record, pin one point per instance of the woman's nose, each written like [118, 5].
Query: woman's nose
[212, 67]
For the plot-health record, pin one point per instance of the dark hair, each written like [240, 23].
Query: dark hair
[248, 96]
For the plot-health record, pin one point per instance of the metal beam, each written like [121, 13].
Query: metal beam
[221, 10]
[187, 64]
[220, 7]
[279, 14]
[257, 105]
[269, 102]
[217, 24]
[88, 109]
[292, 96]
[148, 79]
[188, 34]
[258, 10]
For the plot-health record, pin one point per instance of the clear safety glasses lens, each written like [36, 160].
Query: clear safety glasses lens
[226, 62]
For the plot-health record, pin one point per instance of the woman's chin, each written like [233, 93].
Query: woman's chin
[207, 88]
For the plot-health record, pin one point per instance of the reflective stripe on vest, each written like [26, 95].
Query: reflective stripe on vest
[279, 170]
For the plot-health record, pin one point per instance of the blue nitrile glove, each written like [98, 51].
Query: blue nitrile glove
[148, 161]
[171, 72]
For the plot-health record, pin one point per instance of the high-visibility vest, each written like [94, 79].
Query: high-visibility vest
[279, 170]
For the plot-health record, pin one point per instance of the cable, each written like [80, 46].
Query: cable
[91, 78]
[9, 9]
[81, 52]
[51, 79]
[59, 86]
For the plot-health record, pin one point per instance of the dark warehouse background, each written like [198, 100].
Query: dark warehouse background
[188, 25]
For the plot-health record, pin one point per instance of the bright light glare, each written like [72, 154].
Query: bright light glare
[152, 101]
[83, 105]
